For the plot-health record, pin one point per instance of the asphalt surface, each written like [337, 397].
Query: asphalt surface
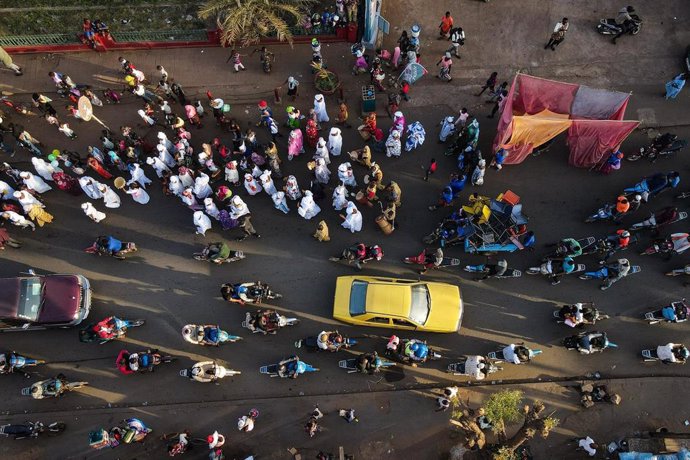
[163, 284]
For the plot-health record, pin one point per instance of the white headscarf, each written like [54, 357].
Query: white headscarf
[320, 109]
[335, 141]
[202, 222]
[339, 197]
[238, 207]
[353, 220]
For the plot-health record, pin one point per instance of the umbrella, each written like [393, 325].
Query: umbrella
[86, 111]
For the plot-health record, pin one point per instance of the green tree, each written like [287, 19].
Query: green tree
[246, 22]
[502, 409]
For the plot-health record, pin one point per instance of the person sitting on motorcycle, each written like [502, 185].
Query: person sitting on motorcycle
[368, 363]
[661, 181]
[592, 342]
[109, 245]
[416, 351]
[50, 387]
[516, 354]
[6, 363]
[209, 334]
[624, 21]
[432, 260]
[107, 329]
[497, 269]
[663, 142]
[236, 293]
[665, 216]
[677, 311]
[218, 252]
[569, 247]
[566, 266]
[672, 353]
[577, 315]
[618, 270]
[329, 341]
[289, 367]
[614, 243]
[266, 320]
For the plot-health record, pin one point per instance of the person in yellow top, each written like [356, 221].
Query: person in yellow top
[445, 25]
[6, 60]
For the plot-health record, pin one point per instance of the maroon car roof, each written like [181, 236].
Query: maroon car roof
[62, 295]
[9, 297]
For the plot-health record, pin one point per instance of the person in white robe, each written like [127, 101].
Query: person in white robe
[335, 141]
[340, 197]
[138, 194]
[92, 213]
[308, 207]
[353, 218]
[393, 144]
[267, 183]
[322, 151]
[346, 175]
[280, 202]
[231, 173]
[158, 165]
[165, 156]
[110, 198]
[6, 191]
[186, 176]
[90, 186]
[35, 183]
[27, 200]
[163, 139]
[320, 109]
[321, 171]
[18, 220]
[44, 169]
[210, 208]
[292, 189]
[138, 175]
[175, 186]
[238, 207]
[201, 187]
[202, 223]
[251, 185]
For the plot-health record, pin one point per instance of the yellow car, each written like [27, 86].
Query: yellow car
[397, 303]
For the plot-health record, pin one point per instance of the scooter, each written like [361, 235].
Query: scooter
[127, 247]
[31, 429]
[652, 355]
[12, 362]
[650, 187]
[653, 153]
[52, 388]
[208, 372]
[547, 269]
[88, 334]
[146, 361]
[676, 243]
[350, 365]
[489, 271]
[274, 321]
[352, 256]
[498, 356]
[581, 342]
[564, 250]
[290, 367]
[679, 271]
[653, 223]
[202, 335]
[676, 312]
[610, 27]
[311, 343]
[205, 253]
[590, 314]
[426, 260]
[257, 292]
[395, 350]
[473, 366]
[605, 273]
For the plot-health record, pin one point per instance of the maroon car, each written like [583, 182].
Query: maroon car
[43, 301]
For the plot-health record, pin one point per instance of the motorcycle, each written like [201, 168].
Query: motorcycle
[607, 246]
[473, 366]
[312, 342]
[208, 372]
[52, 388]
[610, 274]
[588, 342]
[676, 243]
[667, 354]
[352, 365]
[129, 430]
[359, 254]
[31, 429]
[212, 249]
[19, 108]
[651, 186]
[656, 220]
[450, 232]
[677, 312]
[432, 260]
[663, 146]
[609, 212]
[610, 27]
[679, 271]
[521, 352]
[570, 247]
[119, 329]
[144, 361]
[12, 362]
[568, 314]
[553, 272]
[419, 350]
[127, 247]
[208, 334]
[290, 367]
[251, 292]
[498, 270]
[267, 322]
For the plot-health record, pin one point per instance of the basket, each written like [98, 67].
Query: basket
[120, 183]
[326, 81]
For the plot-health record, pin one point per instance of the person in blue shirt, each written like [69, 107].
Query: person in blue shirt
[109, 245]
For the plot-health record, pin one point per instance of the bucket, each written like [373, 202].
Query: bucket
[120, 183]
[384, 225]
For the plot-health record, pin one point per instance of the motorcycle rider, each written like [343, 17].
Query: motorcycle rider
[217, 252]
[567, 266]
[7, 364]
[264, 320]
[497, 269]
[290, 367]
[624, 21]
[208, 334]
[617, 271]
[50, 387]
[329, 341]
[614, 243]
[677, 311]
[416, 351]
[578, 315]
[109, 245]
[569, 247]
[239, 293]
[517, 353]
[662, 217]
[592, 342]
[672, 353]
[368, 363]
[663, 142]
[659, 182]
[432, 260]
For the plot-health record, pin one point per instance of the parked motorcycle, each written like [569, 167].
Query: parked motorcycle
[588, 342]
[512, 353]
[208, 372]
[666, 216]
[31, 429]
[143, 361]
[671, 353]
[332, 341]
[248, 292]
[208, 334]
[651, 186]
[267, 322]
[109, 329]
[498, 270]
[11, 361]
[663, 146]
[676, 312]
[579, 314]
[432, 260]
[554, 270]
[676, 243]
[610, 27]
[373, 364]
[410, 351]
[52, 388]
[210, 252]
[127, 247]
[473, 366]
[290, 367]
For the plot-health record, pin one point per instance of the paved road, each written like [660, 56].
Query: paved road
[165, 286]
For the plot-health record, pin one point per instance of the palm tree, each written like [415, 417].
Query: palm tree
[247, 21]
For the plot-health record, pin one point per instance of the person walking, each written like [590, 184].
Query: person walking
[445, 26]
[674, 87]
[588, 445]
[6, 60]
[558, 34]
[236, 58]
[490, 85]
[348, 415]
[312, 425]
[430, 169]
